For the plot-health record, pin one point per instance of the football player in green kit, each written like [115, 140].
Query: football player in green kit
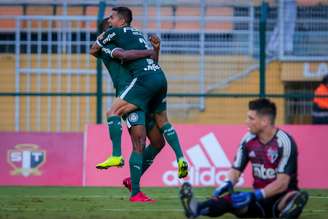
[121, 79]
[147, 91]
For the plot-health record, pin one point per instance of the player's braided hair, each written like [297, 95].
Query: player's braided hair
[125, 13]
[265, 107]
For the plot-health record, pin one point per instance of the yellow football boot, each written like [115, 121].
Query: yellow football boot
[112, 161]
[182, 168]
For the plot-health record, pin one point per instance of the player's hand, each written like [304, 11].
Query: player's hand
[225, 187]
[155, 42]
[101, 36]
[241, 199]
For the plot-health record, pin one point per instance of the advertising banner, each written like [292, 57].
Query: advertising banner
[209, 149]
[41, 159]
[69, 159]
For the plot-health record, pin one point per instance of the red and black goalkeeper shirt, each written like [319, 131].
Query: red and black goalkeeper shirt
[279, 155]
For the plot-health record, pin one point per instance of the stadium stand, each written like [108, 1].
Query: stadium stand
[11, 11]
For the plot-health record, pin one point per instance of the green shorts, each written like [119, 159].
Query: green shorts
[138, 117]
[147, 92]
[134, 118]
[120, 89]
[157, 105]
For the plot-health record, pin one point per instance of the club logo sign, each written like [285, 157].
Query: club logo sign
[272, 154]
[26, 159]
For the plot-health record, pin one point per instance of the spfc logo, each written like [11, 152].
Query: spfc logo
[26, 159]
[272, 154]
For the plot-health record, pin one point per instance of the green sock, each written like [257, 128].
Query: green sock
[115, 133]
[172, 139]
[135, 171]
[149, 154]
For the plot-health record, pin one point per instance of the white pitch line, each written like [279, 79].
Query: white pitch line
[315, 196]
[314, 210]
[321, 210]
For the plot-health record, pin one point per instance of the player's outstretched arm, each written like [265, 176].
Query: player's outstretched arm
[128, 55]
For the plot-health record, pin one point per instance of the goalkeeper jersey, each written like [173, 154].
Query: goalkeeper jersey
[279, 155]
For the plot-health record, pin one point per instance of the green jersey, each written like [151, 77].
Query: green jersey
[129, 38]
[119, 75]
[148, 88]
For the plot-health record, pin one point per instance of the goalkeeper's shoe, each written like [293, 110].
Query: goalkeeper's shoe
[182, 168]
[113, 161]
[141, 197]
[127, 183]
[295, 207]
[189, 203]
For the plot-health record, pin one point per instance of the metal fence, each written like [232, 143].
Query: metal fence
[209, 48]
[52, 62]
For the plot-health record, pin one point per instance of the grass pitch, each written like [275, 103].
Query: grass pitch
[112, 203]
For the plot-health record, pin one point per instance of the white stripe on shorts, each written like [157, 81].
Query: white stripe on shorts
[128, 124]
[128, 88]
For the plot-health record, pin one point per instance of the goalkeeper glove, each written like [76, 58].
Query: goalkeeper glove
[225, 187]
[242, 199]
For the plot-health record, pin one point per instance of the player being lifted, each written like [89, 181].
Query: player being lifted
[273, 155]
[121, 79]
